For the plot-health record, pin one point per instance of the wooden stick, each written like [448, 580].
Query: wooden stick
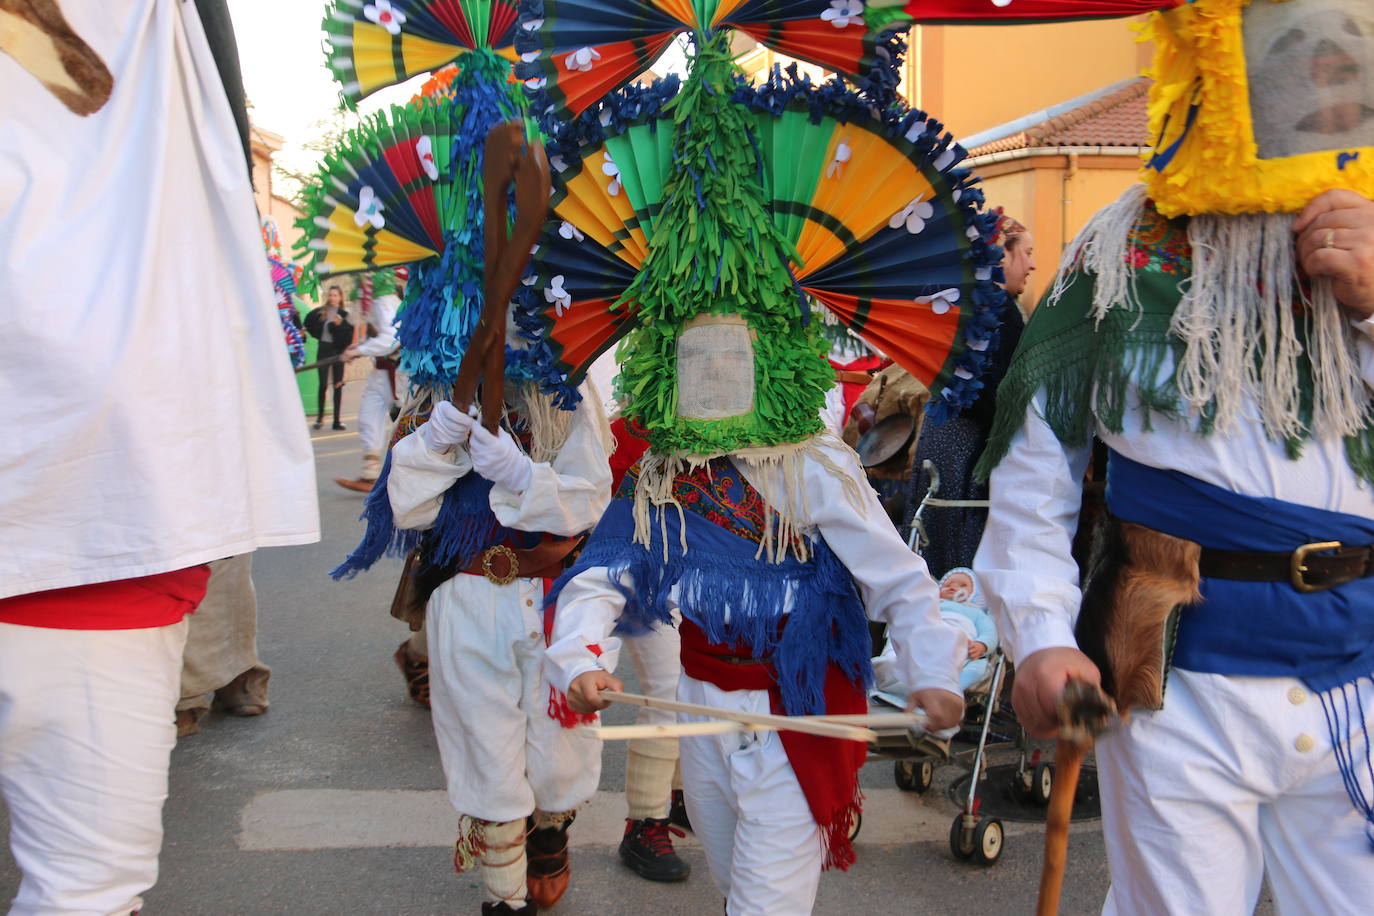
[782, 723]
[724, 726]
[1084, 711]
[1068, 761]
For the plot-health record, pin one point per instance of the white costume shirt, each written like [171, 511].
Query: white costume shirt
[151, 417]
[893, 582]
[1024, 561]
[381, 317]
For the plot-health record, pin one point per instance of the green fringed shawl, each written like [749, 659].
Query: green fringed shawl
[715, 250]
[1093, 371]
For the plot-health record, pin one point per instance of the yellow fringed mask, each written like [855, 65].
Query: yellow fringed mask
[1260, 105]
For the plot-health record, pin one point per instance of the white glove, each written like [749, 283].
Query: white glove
[497, 458]
[447, 426]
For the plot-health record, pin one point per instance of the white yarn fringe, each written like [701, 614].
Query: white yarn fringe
[1238, 319]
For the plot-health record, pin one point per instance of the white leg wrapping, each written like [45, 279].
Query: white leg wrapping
[648, 784]
[503, 863]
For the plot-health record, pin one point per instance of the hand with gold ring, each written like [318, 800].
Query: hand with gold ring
[1336, 240]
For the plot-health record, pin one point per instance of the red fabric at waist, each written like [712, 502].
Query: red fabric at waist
[125, 604]
[827, 768]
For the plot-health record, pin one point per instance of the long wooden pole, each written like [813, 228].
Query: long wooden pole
[723, 726]
[1084, 712]
[782, 723]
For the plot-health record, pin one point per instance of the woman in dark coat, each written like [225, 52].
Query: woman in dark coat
[955, 445]
[330, 326]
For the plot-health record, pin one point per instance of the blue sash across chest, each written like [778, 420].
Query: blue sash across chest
[802, 616]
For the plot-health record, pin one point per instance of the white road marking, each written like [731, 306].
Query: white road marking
[365, 819]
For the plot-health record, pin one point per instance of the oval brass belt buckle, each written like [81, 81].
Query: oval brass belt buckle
[500, 550]
[1297, 565]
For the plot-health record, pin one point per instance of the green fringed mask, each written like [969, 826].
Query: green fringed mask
[724, 356]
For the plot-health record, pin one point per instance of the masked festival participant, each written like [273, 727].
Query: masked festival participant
[488, 515]
[1212, 328]
[515, 775]
[380, 294]
[149, 418]
[746, 516]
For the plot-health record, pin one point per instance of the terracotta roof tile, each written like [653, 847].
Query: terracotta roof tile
[1118, 119]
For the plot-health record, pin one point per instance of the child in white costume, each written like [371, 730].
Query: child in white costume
[504, 757]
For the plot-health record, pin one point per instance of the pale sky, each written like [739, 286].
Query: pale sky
[284, 72]
[288, 83]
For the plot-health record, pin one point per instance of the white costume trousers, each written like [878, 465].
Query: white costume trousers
[86, 733]
[762, 844]
[503, 755]
[373, 420]
[1234, 775]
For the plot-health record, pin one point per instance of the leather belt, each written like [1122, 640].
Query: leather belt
[1312, 567]
[502, 564]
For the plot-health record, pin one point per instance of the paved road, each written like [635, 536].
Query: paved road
[332, 802]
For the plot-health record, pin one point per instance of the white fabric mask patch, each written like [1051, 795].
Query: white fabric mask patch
[715, 368]
[1311, 70]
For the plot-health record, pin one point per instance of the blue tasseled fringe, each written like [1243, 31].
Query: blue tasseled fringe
[464, 527]
[737, 599]
[1346, 719]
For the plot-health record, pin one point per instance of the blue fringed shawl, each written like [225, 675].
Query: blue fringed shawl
[736, 597]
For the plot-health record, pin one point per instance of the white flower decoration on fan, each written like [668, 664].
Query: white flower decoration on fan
[424, 148]
[382, 13]
[369, 209]
[557, 296]
[940, 303]
[612, 170]
[582, 59]
[843, 153]
[913, 215]
[537, 82]
[844, 12]
[570, 232]
[915, 130]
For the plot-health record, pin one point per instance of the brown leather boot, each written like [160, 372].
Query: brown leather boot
[549, 871]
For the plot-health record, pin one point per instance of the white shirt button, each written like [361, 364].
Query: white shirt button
[1305, 743]
[1297, 696]
[530, 603]
[534, 634]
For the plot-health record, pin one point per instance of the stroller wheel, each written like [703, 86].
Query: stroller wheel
[987, 841]
[960, 841]
[1042, 783]
[913, 775]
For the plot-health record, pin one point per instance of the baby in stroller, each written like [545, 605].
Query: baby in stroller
[963, 605]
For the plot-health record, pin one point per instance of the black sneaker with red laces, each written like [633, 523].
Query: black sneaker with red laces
[648, 849]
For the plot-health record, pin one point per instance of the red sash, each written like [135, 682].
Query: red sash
[827, 768]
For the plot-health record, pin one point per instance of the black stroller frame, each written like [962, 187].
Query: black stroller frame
[972, 836]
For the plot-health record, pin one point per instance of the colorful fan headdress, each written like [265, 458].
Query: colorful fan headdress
[884, 14]
[574, 52]
[714, 210]
[406, 188]
[375, 44]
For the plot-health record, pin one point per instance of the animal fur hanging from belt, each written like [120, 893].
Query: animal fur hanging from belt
[36, 34]
[1138, 581]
